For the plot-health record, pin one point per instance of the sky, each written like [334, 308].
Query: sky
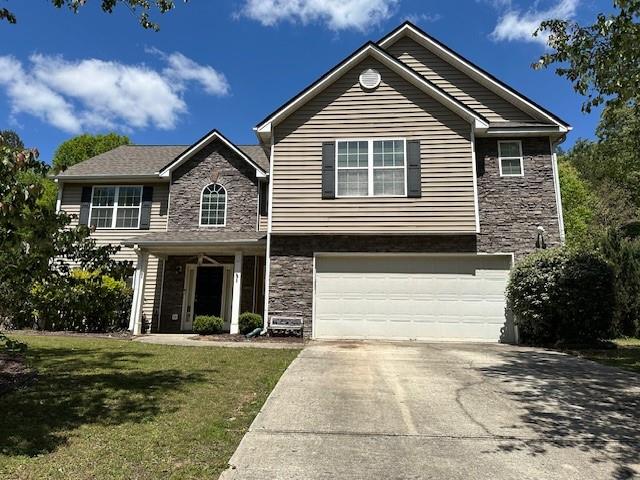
[227, 64]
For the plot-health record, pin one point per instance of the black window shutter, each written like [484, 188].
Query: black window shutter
[328, 170]
[145, 211]
[414, 186]
[85, 205]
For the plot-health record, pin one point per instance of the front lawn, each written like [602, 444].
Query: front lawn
[626, 356]
[108, 409]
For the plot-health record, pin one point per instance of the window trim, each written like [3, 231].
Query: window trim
[226, 204]
[520, 158]
[370, 167]
[114, 207]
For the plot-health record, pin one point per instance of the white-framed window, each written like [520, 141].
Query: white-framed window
[371, 168]
[115, 206]
[510, 158]
[213, 206]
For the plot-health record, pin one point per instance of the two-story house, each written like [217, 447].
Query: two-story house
[388, 199]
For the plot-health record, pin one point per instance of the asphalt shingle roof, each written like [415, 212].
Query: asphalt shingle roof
[133, 160]
[199, 237]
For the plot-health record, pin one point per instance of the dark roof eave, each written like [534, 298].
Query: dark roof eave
[106, 177]
[193, 243]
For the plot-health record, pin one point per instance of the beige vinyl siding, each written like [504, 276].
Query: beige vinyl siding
[395, 109]
[455, 82]
[71, 195]
[263, 223]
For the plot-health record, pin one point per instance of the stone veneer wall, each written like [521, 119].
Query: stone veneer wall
[215, 161]
[291, 276]
[511, 208]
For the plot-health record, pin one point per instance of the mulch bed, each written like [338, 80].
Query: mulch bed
[227, 337]
[14, 373]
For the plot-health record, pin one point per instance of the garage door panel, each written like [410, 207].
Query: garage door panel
[440, 298]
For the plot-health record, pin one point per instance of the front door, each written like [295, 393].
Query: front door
[203, 293]
[208, 297]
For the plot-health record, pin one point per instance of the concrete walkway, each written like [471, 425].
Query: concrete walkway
[191, 340]
[443, 411]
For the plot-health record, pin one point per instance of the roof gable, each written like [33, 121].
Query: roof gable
[370, 49]
[466, 66]
[213, 135]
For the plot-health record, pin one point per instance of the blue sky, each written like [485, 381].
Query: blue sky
[227, 64]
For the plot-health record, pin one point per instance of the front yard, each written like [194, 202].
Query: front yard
[106, 409]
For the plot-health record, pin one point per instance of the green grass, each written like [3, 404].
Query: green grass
[104, 409]
[626, 356]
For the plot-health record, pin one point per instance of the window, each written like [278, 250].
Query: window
[371, 168]
[213, 206]
[510, 159]
[116, 207]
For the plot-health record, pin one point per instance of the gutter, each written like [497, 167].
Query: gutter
[107, 178]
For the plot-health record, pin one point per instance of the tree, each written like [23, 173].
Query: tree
[36, 243]
[140, 8]
[601, 60]
[79, 148]
[11, 139]
[577, 204]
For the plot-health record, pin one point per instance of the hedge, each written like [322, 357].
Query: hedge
[562, 296]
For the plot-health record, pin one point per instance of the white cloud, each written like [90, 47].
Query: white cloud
[181, 69]
[91, 94]
[417, 18]
[515, 24]
[337, 14]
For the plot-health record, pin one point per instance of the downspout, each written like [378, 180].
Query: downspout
[267, 268]
[558, 194]
[60, 186]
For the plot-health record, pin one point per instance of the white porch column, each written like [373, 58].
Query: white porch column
[237, 289]
[139, 280]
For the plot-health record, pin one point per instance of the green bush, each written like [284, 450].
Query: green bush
[562, 296]
[82, 301]
[207, 324]
[249, 322]
[11, 346]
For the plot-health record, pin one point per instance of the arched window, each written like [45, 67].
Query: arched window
[213, 205]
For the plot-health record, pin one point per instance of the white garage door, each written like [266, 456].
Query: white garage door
[412, 297]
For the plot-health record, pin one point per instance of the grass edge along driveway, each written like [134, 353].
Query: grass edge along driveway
[109, 409]
[626, 356]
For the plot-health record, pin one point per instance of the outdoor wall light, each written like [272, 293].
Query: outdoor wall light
[540, 243]
[179, 269]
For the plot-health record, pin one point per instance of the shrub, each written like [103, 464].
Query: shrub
[624, 256]
[562, 296]
[207, 324]
[11, 346]
[82, 301]
[249, 322]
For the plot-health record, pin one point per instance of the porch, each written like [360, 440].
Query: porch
[199, 273]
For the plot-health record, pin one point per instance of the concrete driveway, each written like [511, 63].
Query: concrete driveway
[443, 411]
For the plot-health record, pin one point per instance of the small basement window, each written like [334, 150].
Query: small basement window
[510, 158]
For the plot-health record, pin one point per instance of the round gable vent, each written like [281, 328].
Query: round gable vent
[370, 79]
